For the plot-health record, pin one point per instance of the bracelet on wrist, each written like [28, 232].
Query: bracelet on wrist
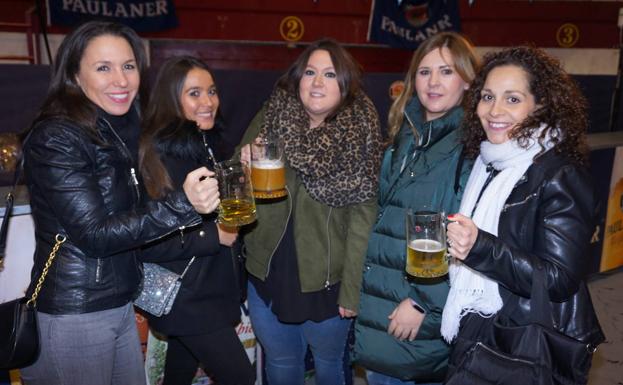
[418, 307]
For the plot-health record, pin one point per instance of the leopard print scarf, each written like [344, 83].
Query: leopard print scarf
[338, 162]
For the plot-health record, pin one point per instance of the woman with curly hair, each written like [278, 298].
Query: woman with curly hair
[528, 205]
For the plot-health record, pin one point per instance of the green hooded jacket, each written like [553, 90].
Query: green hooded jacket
[411, 177]
[330, 242]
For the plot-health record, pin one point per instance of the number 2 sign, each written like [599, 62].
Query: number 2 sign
[291, 28]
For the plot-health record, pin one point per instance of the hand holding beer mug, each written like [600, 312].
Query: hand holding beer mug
[426, 244]
[237, 206]
[267, 168]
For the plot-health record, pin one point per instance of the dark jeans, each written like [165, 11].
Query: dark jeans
[221, 354]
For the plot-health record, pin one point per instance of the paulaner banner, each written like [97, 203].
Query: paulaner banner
[141, 15]
[407, 23]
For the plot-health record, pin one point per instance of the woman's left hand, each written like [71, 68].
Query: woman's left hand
[345, 313]
[462, 233]
[405, 321]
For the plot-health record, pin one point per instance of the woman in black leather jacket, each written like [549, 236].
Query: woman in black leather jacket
[80, 165]
[528, 204]
[181, 133]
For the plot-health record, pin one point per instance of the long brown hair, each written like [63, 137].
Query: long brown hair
[164, 114]
[347, 69]
[465, 62]
[560, 103]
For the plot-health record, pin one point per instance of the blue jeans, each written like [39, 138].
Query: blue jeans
[98, 348]
[376, 378]
[285, 345]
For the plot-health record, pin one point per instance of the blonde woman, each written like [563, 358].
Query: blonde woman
[397, 331]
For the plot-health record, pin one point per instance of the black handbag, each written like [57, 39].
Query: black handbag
[19, 330]
[536, 353]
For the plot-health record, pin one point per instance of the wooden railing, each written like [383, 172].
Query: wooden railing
[31, 29]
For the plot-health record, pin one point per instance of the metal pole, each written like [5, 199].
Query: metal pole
[615, 106]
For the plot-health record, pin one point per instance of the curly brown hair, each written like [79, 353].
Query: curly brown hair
[560, 104]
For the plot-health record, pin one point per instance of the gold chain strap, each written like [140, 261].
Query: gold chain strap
[59, 241]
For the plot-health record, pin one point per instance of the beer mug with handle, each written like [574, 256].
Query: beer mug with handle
[267, 168]
[237, 206]
[426, 244]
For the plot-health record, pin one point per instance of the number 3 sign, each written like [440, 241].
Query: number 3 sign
[567, 35]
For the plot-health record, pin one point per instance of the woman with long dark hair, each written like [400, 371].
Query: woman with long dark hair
[182, 131]
[80, 162]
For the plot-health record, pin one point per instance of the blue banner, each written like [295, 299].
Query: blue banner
[141, 15]
[407, 23]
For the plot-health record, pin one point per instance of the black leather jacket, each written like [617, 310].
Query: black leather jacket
[88, 192]
[547, 219]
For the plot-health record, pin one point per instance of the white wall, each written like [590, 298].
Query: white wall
[18, 261]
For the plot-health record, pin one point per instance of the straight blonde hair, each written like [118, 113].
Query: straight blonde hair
[466, 64]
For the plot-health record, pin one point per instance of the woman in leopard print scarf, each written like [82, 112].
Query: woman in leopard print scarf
[305, 252]
[337, 160]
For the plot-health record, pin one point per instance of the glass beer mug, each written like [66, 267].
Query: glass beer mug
[237, 206]
[267, 168]
[426, 244]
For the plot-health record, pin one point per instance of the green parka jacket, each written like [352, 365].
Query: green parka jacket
[433, 175]
[330, 242]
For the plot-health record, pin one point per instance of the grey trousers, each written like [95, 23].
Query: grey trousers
[99, 348]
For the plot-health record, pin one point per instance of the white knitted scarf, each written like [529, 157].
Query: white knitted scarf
[471, 291]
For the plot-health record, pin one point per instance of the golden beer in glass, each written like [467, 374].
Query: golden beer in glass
[236, 212]
[237, 206]
[426, 244]
[267, 169]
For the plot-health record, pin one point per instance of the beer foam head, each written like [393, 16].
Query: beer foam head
[428, 245]
[267, 163]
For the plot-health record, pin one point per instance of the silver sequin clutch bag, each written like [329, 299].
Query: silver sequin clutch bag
[160, 287]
